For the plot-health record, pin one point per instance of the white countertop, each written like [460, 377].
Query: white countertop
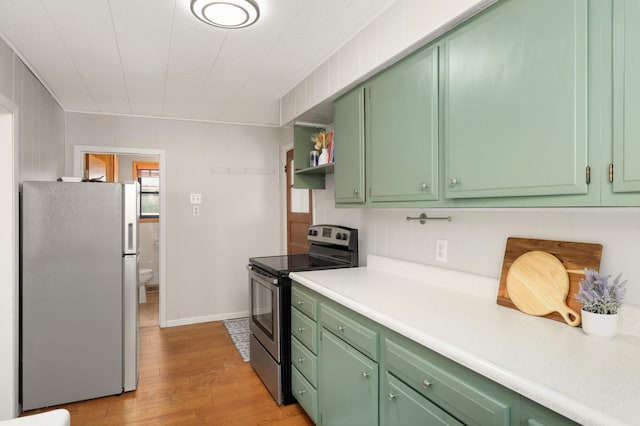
[594, 381]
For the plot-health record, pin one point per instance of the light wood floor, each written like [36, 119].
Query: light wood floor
[189, 375]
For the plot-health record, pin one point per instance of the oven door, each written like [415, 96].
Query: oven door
[265, 310]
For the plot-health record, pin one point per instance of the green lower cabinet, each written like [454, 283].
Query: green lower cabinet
[470, 399]
[305, 393]
[402, 406]
[349, 370]
[348, 384]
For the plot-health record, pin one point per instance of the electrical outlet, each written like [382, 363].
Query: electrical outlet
[196, 210]
[196, 198]
[441, 250]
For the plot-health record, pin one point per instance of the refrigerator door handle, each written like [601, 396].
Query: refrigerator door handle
[131, 206]
[130, 237]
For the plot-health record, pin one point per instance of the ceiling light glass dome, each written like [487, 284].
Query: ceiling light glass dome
[226, 13]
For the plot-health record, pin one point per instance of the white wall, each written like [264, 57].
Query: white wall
[403, 27]
[477, 238]
[39, 155]
[235, 168]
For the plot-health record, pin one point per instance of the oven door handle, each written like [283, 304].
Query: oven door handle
[273, 280]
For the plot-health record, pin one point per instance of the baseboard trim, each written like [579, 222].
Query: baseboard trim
[206, 318]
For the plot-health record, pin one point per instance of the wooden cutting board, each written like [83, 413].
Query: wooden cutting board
[574, 256]
[538, 284]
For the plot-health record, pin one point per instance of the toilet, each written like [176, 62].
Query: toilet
[144, 275]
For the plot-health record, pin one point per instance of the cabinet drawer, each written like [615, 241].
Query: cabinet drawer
[305, 330]
[304, 361]
[356, 334]
[404, 406]
[306, 395]
[460, 398]
[304, 302]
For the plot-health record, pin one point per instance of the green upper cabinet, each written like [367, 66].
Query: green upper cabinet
[349, 148]
[402, 130]
[626, 95]
[515, 101]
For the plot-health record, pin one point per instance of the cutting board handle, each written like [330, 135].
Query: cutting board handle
[568, 313]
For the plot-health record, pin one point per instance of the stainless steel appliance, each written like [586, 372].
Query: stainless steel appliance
[78, 294]
[330, 247]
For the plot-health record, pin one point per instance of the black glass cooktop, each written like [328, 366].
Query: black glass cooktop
[282, 265]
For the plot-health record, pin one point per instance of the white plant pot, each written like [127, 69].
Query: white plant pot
[324, 157]
[599, 325]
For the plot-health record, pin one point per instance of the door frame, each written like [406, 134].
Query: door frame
[283, 196]
[9, 260]
[78, 155]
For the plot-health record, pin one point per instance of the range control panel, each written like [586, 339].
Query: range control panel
[332, 234]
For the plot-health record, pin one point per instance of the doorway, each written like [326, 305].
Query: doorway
[152, 232]
[299, 214]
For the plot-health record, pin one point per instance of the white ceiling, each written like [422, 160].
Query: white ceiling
[154, 58]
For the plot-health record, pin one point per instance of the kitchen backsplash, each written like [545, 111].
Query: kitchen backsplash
[477, 237]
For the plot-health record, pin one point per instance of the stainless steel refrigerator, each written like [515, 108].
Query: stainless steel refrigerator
[79, 298]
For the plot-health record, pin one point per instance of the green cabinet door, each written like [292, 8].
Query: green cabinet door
[349, 147]
[402, 130]
[348, 384]
[626, 107]
[402, 406]
[515, 101]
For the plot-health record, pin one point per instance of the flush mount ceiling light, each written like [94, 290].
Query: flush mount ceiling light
[226, 13]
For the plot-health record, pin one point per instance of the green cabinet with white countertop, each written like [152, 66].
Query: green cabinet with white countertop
[364, 373]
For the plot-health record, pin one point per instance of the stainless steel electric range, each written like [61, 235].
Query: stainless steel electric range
[330, 247]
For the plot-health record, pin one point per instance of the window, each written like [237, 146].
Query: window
[148, 175]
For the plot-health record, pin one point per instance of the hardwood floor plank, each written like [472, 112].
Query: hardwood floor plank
[189, 375]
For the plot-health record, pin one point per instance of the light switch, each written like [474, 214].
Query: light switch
[196, 198]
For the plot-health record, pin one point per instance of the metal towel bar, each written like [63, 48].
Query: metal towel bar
[423, 218]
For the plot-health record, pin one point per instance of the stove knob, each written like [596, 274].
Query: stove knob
[338, 236]
[315, 233]
[345, 236]
[310, 232]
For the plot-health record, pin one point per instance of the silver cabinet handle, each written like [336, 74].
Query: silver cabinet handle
[300, 302]
[426, 383]
[454, 181]
[301, 329]
[341, 327]
[301, 392]
[301, 360]
[424, 186]
[365, 374]
[391, 397]
[356, 191]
